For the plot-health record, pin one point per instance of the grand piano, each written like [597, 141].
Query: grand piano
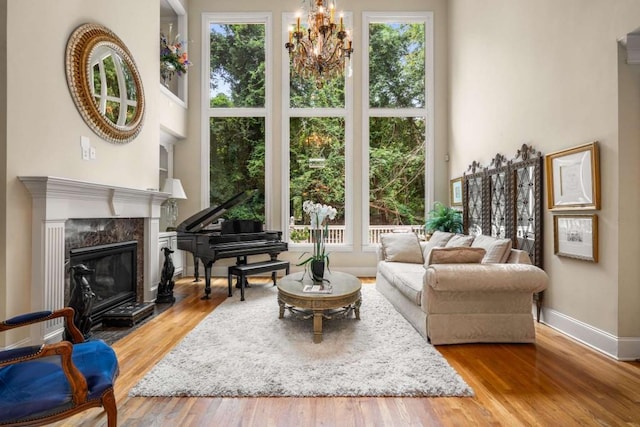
[209, 242]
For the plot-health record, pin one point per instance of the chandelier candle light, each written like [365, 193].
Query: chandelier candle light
[318, 214]
[320, 49]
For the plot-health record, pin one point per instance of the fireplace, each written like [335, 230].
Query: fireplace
[56, 200]
[114, 277]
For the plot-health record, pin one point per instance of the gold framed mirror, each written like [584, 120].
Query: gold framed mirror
[104, 83]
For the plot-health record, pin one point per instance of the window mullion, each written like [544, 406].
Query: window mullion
[237, 112]
[397, 112]
[317, 112]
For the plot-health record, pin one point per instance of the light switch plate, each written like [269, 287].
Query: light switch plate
[85, 145]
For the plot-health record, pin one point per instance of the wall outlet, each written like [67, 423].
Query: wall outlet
[92, 153]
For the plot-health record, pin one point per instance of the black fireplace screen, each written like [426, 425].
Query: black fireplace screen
[114, 276]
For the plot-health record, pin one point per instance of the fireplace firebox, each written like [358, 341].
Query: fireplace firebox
[114, 277]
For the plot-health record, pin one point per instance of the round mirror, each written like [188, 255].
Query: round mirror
[104, 83]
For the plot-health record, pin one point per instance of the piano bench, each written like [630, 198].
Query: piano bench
[244, 270]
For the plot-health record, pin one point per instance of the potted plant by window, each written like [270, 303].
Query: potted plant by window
[443, 218]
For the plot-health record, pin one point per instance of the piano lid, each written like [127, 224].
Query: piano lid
[200, 220]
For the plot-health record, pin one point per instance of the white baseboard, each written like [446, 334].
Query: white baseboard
[629, 348]
[619, 348]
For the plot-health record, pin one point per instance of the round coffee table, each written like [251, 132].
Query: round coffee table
[344, 299]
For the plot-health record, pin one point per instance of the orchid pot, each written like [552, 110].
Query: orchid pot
[319, 260]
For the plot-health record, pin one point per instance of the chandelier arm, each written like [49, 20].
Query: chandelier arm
[333, 54]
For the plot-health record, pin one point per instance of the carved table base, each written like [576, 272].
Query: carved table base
[344, 301]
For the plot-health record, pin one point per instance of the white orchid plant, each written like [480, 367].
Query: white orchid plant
[319, 215]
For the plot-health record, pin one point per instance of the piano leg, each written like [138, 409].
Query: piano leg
[196, 267]
[207, 280]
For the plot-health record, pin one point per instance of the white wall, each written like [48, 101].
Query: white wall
[187, 152]
[44, 127]
[629, 177]
[546, 73]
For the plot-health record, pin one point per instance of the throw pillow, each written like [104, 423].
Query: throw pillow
[401, 247]
[459, 240]
[438, 240]
[498, 250]
[453, 255]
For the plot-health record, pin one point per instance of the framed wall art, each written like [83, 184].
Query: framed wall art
[573, 178]
[455, 192]
[576, 236]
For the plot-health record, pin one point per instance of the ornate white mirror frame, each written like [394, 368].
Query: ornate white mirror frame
[104, 83]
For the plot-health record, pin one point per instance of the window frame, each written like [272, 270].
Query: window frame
[346, 113]
[427, 111]
[266, 19]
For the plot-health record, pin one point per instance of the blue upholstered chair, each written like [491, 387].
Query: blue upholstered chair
[45, 383]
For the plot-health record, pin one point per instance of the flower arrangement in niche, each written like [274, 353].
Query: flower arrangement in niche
[319, 215]
[173, 58]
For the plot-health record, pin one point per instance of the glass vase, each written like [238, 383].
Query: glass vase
[166, 72]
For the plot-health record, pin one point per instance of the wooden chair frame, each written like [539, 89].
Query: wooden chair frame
[76, 380]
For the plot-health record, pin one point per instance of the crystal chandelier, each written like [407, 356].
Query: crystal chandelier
[321, 48]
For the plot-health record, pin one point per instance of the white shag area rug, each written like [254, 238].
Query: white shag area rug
[242, 349]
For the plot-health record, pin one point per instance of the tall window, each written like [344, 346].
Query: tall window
[398, 121]
[317, 123]
[237, 111]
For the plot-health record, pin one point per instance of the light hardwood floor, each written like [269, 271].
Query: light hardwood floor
[556, 382]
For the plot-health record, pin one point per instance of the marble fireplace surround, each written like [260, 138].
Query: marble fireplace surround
[54, 201]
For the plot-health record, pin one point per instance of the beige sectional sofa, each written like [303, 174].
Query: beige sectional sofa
[460, 289]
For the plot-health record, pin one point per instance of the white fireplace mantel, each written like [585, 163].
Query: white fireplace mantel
[55, 200]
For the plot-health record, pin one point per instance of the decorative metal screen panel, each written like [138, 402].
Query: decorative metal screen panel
[472, 200]
[498, 205]
[528, 208]
[504, 200]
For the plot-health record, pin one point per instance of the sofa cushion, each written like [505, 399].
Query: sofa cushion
[401, 247]
[460, 255]
[498, 250]
[459, 240]
[406, 278]
[438, 240]
[517, 256]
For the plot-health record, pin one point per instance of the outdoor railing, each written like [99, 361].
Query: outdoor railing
[335, 233]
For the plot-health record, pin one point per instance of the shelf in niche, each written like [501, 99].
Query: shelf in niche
[172, 96]
[172, 114]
